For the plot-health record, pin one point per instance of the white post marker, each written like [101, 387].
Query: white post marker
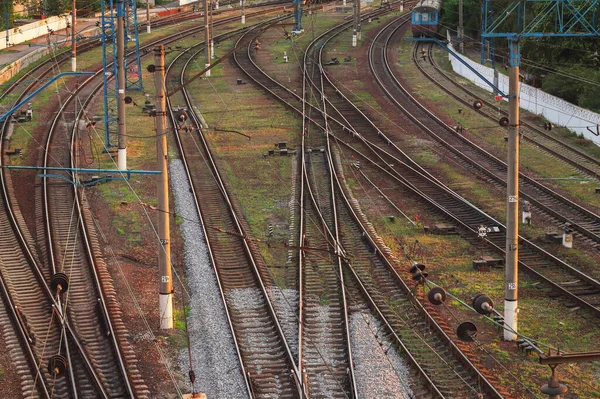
[526, 215]
[567, 240]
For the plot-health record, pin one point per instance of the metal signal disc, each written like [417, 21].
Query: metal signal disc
[466, 331]
[61, 280]
[57, 365]
[478, 304]
[436, 295]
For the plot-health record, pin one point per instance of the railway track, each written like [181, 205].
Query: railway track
[555, 206]
[370, 255]
[73, 249]
[325, 352]
[266, 359]
[77, 331]
[581, 162]
[365, 142]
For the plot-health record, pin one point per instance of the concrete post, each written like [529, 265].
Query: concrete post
[73, 36]
[207, 35]
[165, 290]
[121, 83]
[148, 29]
[511, 289]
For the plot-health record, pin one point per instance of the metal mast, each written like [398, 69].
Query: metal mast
[111, 12]
[513, 21]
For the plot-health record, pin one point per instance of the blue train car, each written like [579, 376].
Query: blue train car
[425, 18]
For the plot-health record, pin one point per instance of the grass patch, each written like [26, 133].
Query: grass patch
[532, 158]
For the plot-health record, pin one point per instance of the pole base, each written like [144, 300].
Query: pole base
[73, 64]
[353, 40]
[166, 311]
[122, 158]
[511, 312]
[207, 74]
[243, 19]
[148, 29]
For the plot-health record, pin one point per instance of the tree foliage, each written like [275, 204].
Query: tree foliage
[564, 67]
[471, 17]
[567, 67]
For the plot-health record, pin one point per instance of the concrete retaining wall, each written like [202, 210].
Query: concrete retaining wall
[554, 109]
[30, 31]
[11, 70]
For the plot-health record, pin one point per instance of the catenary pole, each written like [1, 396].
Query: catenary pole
[511, 292]
[148, 29]
[207, 35]
[73, 36]
[165, 290]
[212, 33]
[121, 83]
[243, 5]
[461, 29]
[355, 24]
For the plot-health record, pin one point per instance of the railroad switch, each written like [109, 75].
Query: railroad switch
[443, 229]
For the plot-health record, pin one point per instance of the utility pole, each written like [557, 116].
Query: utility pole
[461, 32]
[73, 38]
[121, 83]
[243, 4]
[6, 22]
[165, 290]
[355, 24]
[511, 288]
[207, 35]
[358, 28]
[148, 29]
[212, 34]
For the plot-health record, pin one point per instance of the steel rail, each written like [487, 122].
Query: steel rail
[331, 227]
[15, 223]
[481, 379]
[593, 170]
[238, 225]
[350, 130]
[542, 189]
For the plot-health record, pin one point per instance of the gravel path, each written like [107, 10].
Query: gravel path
[213, 351]
[379, 372]
[379, 375]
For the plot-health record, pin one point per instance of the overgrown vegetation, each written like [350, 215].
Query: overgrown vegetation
[566, 67]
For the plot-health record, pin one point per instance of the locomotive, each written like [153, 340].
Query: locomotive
[425, 18]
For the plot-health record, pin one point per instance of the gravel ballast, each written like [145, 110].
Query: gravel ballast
[216, 365]
[379, 371]
[214, 358]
